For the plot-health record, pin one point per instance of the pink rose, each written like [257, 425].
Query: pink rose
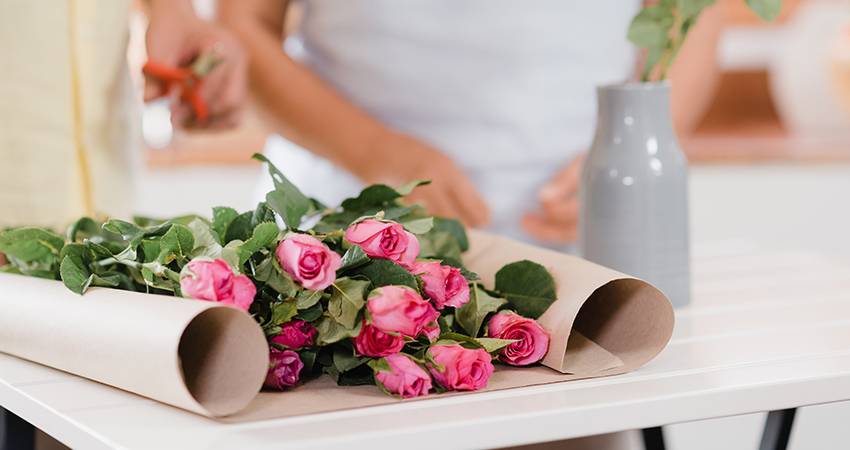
[444, 285]
[400, 309]
[460, 369]
[375, 343]
[284, 369]
[215, 281]
[387, 240]
[405, 377]
[296, 334]
[432, 331]
[532, 340]
[308, 261]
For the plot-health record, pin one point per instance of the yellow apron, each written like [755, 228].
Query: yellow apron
[67, 114]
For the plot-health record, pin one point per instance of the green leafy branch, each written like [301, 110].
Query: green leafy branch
[661, 29]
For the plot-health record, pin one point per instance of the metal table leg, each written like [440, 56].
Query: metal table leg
[777, 429]
[653, 438]
[15, 433]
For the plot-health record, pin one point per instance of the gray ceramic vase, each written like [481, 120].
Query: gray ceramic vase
[634, 191]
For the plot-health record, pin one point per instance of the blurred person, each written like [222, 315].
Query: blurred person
[66, 115]
[68, 120]
[175, 38]
[494, 101]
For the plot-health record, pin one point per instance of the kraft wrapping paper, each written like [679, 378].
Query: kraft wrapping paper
[200, 356]
[603, 323]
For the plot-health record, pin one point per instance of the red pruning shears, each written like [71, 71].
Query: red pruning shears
[187, 79]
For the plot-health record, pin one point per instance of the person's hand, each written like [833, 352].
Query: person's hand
[175, 37]
[557, 220]
[399, 159]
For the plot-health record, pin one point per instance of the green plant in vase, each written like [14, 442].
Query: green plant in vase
[634, 188]
[661, 30]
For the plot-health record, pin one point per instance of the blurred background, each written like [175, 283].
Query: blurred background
[783, 98]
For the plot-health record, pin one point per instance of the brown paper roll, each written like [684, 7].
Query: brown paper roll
[201, 356]
[603, 322]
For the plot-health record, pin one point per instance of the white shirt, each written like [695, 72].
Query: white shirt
[504, 87]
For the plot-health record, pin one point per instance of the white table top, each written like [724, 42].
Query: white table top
[769, 329]
[766, 331]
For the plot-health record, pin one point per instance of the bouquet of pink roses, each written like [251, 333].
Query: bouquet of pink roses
[371, 292]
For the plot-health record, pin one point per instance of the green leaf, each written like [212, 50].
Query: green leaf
[75, 275]
[154, 281]
[230, 253]
[286, 199]
[127, 230]
[651, 27]
[264, 234]
[407, 189]
[331, 331]
[79, 252]
[447, 239]
[471, 315]
[308, 357]
[149, 249]
[419, 226]
[359, 376]
[30, 244]
[380, 365]
[312, 313]
[383, 272]
[113, 279]
[240, 228]
[282, 312]
[133, 233]
[307, 298]
[98, 251]
[528, 287]
[344, 359]
[176, 243]
[353, 257]
[262, 214]
[768, 10]
[269, 272]
[206, 244]
[455, 229]
[493, 344]
[346, 301]
[222, 218]
[374, 196]
[86, 228]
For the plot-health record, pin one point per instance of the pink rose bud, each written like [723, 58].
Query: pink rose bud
[460, 369]
[375, 343]
[308, 261]
[444, 285]
[215, 281]
[284, 369]
[400, 309]
[387, 240]
[432, 331]
[296, 334]
[405, 377]
[532, 340]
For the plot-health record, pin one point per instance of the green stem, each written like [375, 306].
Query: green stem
[678, 42]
